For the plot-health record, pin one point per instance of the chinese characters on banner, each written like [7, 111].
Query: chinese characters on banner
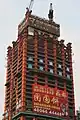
[50, 101]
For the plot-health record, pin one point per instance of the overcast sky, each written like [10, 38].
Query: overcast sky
[66, 13]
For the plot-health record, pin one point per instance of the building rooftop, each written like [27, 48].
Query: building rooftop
[39, 23]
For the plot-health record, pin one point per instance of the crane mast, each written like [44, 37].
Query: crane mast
[31, 4]
[29, 9]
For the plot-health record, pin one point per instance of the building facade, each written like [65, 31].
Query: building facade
[39, 79]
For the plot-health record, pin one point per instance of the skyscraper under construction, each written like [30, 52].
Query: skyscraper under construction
[39, 79]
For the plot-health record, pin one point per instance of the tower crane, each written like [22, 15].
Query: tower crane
[29, 9]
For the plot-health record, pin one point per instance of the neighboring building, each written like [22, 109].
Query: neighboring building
[39, 78]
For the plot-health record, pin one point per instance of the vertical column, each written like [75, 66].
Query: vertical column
[16, 80]
[63, 60]
[8, 71]
[19, 64]
[35, 54]
[46, 58]
[24, 69]
[11, 85]
[13, 78]
[55, 60]
[71, 69]
[63, 65]
[16, 89]
[22, 118]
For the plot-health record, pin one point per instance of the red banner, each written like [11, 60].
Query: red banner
[50, 101]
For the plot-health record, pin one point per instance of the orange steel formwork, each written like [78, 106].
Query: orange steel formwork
[37, 56]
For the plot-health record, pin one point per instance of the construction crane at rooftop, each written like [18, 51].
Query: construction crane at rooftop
[50, 15]
[31, 4]
[29, 9]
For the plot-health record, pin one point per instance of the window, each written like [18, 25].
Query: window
[60, 73]
[51, 36]
[39, 32]
[67, 69]
[30, 58]
[51, 70]
[41, 67]
[30, 31]
[18, 104]
[50, 63]
[29, 65]
[18, 118]
[68, 76]
[59, 66]
[6, 113]
[40, 60]
[7, 119]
